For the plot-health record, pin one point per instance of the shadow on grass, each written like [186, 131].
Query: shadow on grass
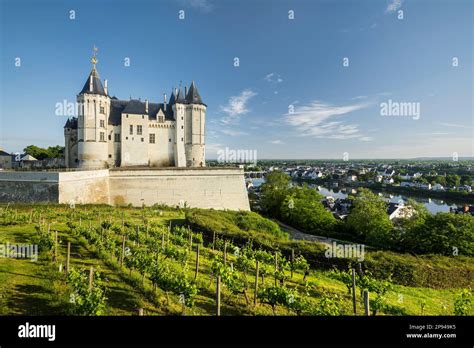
[30, 299]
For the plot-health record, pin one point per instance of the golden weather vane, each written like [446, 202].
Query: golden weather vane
[94, 60]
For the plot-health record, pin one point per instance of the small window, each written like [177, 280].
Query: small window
[182, 127]
[182, 139]
[126, 138]
[142, 140]
[117, 137]
[102, 123]
[102, 136]
[160, 119]
[152, 138]
[131, 129]
[139, 130]
[169, 140]
[102, 110]
[110, 136]
[110, 156]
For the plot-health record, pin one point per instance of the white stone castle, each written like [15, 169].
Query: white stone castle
[109, 132]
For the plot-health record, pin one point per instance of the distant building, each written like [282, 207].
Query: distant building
[5, 160]
[399, 211]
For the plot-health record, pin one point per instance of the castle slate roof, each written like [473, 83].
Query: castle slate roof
[71, 123]
[97, 87]
[181, 98]
[133, 106]
[193, 96]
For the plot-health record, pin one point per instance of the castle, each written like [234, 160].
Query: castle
[109, 132]
[132, 152]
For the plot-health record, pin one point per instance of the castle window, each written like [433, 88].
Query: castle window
[182, 139]
[110, 136]
[142, 140]
[102, 110]
[169, 140]
[139, 130]
[182, 127]
[126, 138]
[152, 138]
[102, 123]
[160, 119]
[117, 137]
[131, 129]
[102, 136]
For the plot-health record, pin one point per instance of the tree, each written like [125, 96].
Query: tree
[453, 180]
[443, 233]
[274, 192]
[466, 180]
[370, 220]
[302, 208]
[41, 153]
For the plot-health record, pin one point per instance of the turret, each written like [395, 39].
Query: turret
[179, 112]
[195, 128]
[94, 108]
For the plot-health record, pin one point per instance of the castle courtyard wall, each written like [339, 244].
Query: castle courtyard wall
[216, 188]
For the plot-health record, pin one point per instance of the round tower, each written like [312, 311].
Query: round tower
[195, 128]
[94, 108]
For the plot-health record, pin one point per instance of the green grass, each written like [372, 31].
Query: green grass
[38, 288]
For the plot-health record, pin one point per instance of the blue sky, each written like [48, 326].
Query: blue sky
[290, 97]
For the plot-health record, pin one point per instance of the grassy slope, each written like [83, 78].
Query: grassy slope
[37, 288]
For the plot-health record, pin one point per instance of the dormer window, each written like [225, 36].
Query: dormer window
[161, 119]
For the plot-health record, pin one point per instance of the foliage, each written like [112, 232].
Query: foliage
[273, 192]
[369, 219]
[86, 301]
[442, 233]
[42, 153]
[302, 208]
[463, 303]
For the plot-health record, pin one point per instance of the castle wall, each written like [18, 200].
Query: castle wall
[161, 153]
[134, 146]
[81, 187]
[200, 187]
[29, 187]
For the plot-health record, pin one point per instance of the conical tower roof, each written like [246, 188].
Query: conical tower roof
[193, 96]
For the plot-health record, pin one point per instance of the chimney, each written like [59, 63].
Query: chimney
[90, 83]
[146, 106]
[164, 102]
[105, 88]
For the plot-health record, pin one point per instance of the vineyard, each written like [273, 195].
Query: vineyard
[100, 260]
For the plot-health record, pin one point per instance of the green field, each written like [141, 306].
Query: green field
[96, 235]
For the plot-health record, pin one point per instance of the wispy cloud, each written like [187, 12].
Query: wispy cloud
[202, 5]
[237, 106]
[277, 142]
[455, 125]
[321, 120]
[393, 6]
[273, 78]
[233, 132]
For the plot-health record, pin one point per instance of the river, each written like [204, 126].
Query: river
[433, 205]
